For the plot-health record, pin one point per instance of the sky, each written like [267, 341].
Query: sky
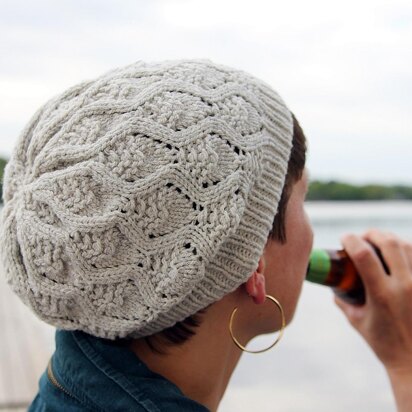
[343, 68]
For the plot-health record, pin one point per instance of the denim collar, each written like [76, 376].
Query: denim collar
[105, 376]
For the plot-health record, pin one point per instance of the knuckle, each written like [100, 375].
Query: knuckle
[391, 242]
[371, 232]
[362, 255]
[408, 247]
[408, 287]
[349, 238]
[345, 237]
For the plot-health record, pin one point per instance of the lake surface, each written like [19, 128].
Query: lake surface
[321, 363]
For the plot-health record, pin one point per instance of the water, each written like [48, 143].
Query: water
[332, 219]
[321, 363]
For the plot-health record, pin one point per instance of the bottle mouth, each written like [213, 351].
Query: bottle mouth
[318, 267]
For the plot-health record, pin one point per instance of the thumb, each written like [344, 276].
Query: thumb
[353, 313]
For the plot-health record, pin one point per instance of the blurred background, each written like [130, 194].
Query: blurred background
[343, 68]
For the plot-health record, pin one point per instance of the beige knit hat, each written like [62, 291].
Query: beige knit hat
[136, 199]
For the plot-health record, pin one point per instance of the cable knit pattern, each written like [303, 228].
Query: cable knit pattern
[136, 199]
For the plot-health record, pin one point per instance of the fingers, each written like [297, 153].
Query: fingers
[395, 251]
[367, 264]
[385, 321]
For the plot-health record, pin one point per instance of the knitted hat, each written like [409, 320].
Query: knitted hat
[136, 199]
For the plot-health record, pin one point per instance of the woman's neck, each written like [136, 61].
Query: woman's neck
[201, 367]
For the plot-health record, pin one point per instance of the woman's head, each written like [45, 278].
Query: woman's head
[138, 198]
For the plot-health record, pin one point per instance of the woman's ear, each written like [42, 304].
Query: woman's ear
[255, 285]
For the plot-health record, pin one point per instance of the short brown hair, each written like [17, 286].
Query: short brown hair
[296, 167]
[183, 331]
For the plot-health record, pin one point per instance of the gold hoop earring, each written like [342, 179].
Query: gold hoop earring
[240, 346]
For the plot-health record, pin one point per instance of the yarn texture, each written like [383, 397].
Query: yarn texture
[133, 200]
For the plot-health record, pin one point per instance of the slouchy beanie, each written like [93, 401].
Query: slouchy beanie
[136, 199]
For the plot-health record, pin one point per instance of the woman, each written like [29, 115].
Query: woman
[143, 207]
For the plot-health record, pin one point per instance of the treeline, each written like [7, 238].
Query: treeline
[325, 190]
[2, 164]
[333, 190]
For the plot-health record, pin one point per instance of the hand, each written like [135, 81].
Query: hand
[385, 320]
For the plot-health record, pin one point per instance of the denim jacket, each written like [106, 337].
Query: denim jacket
[86, 373]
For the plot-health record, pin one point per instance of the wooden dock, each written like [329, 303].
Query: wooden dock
[26, 345]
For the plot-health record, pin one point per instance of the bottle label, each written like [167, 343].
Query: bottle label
[319, 266]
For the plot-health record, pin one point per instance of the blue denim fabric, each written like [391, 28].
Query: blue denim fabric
[100, 376]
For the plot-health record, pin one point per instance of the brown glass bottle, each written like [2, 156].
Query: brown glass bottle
[331, 267]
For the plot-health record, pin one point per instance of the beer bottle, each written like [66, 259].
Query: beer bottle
[331, 267]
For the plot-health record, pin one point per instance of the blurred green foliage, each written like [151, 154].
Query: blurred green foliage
[2, 165]
[333, 190]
